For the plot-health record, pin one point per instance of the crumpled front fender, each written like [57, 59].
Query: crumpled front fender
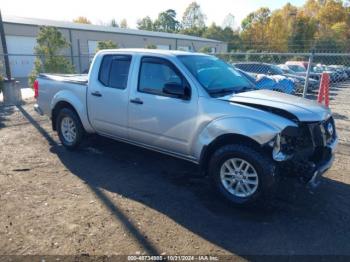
[252, 128]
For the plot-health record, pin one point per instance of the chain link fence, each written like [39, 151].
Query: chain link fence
[291, 73]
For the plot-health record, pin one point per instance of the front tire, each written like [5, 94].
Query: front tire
[69, 128]
[242, 174]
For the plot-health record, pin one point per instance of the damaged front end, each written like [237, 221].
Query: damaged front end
[306, 151]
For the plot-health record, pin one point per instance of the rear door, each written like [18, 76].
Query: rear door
[107, 97]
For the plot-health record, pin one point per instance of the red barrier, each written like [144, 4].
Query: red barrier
[323, 92]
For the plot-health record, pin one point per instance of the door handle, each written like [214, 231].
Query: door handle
[136, 101]
[96, 93]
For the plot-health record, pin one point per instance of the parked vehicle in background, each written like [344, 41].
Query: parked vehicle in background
[303, 64]
[274, 72]
[343, 75]
[313, 83]
[335, 75]
[300, 68]
[195, 107]
[275, 83]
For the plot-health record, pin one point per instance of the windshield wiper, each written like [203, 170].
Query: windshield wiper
[221, 91]
[246, 88]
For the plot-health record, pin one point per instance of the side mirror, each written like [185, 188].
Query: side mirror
[175, 89]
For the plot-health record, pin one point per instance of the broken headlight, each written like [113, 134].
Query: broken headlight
[284, 144]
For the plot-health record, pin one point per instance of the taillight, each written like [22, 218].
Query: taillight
[36, 88]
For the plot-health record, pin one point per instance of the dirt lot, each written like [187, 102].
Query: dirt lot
[112, 198]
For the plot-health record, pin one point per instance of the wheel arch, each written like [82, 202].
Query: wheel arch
[220, 141]
[66, 98]
[57, 108]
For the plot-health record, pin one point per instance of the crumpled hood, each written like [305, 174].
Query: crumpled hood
[304, 110]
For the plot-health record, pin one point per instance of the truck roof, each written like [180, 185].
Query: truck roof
[150, 51]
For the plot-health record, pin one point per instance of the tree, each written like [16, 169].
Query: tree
[214, 32]
[124, 23]
[229, 21]
[114, 23]
[50, 43]
[332, 12]
[106, 45]
[254, 29]
[81, 20]
[145, 23]
[193, 17]
[302, 36]
[166, 21]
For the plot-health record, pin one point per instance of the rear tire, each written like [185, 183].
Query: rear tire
[242, 174]
[69, 128]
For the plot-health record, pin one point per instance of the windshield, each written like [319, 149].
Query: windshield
[297, 68]
[277, 70]
[215, 75]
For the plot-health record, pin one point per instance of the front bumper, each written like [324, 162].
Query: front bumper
[324, 165]
[309, 171]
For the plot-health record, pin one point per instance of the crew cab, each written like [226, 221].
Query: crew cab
[195, 107]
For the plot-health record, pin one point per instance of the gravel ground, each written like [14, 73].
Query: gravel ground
[111, 198]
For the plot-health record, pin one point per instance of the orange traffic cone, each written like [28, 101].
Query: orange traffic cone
[323, 92]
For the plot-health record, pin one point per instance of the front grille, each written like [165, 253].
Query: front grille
[323, 133]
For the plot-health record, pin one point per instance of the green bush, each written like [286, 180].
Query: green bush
[51, 42]
[151, 46]
[206, 50]
[101, 45]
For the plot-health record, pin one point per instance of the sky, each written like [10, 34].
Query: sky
[102, 11]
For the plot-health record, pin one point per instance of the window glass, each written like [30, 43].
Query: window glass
[114, 71]
[104, 70]
[155, 73]
[214, 74]
[119, 73]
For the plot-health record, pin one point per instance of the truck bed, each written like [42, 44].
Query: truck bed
[81, 79]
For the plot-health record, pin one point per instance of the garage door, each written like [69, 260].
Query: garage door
[92, 46]
[21, 50]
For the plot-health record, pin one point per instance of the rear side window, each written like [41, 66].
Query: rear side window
[114, 71]
[104, 70]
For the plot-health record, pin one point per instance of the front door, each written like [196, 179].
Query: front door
[158, 119]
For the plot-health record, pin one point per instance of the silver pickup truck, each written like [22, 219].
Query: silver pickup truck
[195, 107]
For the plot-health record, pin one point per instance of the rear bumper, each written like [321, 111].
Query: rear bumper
[38, 109]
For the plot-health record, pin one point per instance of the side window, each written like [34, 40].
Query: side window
[155, 73]
[103, 76]
[114, 71]
[118, 77]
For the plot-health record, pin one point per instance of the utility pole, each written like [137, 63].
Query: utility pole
[11, 92]
[4, 49]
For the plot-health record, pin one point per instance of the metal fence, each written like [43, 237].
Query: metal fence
[292, 73]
